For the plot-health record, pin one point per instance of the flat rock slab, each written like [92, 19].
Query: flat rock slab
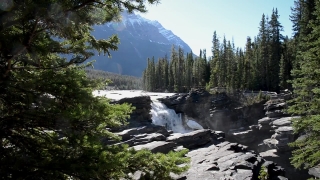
[282, 121]
[130, 133]
[284, 129]
[266, 120]
[193, 139]
[157, 146]
[223, 161]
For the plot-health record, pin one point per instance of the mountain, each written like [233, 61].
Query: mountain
[140, 39]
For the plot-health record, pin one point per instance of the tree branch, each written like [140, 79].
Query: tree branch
[21, 50]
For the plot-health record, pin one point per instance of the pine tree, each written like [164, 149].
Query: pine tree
[301, 16]
[275, 51]
[263, 60]
[307, 95]
[241, 70]
[195, 73]
[248, 65]
[256, 74]
[180, 69]
[215, 62]
[282, 73]
[224, 63]
[231, 66]
[51, 124]
[165, 70]
[175, 78]
[286, 62]
[152, 74]
[188, 70]
[205, 76]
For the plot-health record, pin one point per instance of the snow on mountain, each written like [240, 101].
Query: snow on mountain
[136, 21]
[140, 39]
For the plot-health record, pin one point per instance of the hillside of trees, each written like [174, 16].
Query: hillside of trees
[264, 63]
[117, 81]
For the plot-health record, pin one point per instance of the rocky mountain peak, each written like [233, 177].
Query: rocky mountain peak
[140, 38]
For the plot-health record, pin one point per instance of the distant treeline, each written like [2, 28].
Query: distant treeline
[263, 64]
[118, 81]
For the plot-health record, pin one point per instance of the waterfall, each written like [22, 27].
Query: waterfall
[163, 116]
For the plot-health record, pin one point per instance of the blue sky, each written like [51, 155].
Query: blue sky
[195, 21]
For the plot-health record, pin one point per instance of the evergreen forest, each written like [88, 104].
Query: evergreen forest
[115, 81]
[264, 63]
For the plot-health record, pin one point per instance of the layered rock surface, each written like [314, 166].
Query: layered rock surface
[263, 127]
[211, 156]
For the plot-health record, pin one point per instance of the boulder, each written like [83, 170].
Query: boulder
[157, 146]
[282, 121]
[315, 171]
[281, 138]
[130, 133]
[194, 104]
[275, 106]
[144, 139]
[266, 121]
[283, 135]
[275, 114]
[140, 116]
[193, 139]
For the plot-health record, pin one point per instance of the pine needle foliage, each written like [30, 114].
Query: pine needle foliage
[51, 125]
[307, 95]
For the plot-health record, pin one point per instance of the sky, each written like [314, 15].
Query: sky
[194, 21]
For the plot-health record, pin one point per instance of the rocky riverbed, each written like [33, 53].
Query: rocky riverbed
[255, 135]
[263, 127]
[212, 157]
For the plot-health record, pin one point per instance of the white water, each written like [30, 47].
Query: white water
[161, 115]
